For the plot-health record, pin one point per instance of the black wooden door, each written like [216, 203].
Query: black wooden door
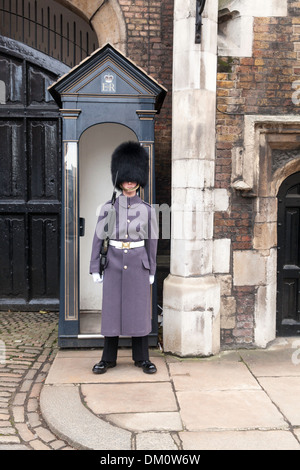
[30, 180]
[288, 295]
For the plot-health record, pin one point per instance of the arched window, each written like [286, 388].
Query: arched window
[48, 27]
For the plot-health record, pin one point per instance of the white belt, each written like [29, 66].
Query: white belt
[126, 245]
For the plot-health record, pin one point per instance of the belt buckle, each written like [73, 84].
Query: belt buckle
[126, 245]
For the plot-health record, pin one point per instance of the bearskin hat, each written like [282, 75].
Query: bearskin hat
[131, 162]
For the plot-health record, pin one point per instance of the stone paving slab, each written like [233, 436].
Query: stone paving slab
[155, 441]
[239, 440]
[297, 433]
[280, 359]
[129, 397]
[228, 409]
[78, 369]
[151, 421]
[92, 352]
[216, 375]
[285, 393]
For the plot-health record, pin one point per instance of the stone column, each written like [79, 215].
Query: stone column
[191, 304]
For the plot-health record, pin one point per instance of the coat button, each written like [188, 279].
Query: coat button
[125, 267]
[126, 236]
[125, 251]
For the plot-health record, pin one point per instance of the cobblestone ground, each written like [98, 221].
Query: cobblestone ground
[28, 345]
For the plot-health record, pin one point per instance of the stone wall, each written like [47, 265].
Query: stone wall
[257, 89]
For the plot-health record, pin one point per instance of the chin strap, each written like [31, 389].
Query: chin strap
[131, 189]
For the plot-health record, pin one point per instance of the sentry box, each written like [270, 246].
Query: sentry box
[105, 100]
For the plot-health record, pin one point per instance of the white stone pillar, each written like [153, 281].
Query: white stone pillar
[191, 303]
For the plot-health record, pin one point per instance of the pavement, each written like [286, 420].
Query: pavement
[245, 399]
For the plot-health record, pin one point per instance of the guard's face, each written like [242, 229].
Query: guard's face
[129, 185]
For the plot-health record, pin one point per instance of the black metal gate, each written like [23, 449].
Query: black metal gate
[30, 182]
[48, 27]
[288, 295]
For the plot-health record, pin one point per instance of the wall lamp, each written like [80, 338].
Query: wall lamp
[200, 4]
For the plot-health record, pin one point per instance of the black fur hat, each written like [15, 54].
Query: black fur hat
[131, 162]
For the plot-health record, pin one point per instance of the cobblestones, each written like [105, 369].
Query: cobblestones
[28, 345]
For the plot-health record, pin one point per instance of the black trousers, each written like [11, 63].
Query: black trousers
[140, 350]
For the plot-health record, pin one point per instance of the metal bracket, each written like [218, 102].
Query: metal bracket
[200, 4]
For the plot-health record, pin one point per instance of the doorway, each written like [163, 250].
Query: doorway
[288, 292]
[95, 188]
[30, 175]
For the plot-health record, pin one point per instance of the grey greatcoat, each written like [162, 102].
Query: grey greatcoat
[126, 308]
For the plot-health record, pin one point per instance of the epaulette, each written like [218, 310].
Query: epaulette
[147, 203]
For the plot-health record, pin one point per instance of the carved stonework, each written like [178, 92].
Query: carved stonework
[281, 157]
[271, 152]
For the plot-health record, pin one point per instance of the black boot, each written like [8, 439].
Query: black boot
[102, 367]
[147, 366]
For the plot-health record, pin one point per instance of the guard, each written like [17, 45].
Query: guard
[126, 235]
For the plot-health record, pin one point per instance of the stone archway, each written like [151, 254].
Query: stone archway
[50, 28]
[69, 30]
[105, 17]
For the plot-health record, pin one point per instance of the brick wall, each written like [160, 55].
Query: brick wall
[261, 84]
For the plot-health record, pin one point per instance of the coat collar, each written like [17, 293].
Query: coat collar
[125, 201]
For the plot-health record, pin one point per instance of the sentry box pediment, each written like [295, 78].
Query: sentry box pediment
[107, 75]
